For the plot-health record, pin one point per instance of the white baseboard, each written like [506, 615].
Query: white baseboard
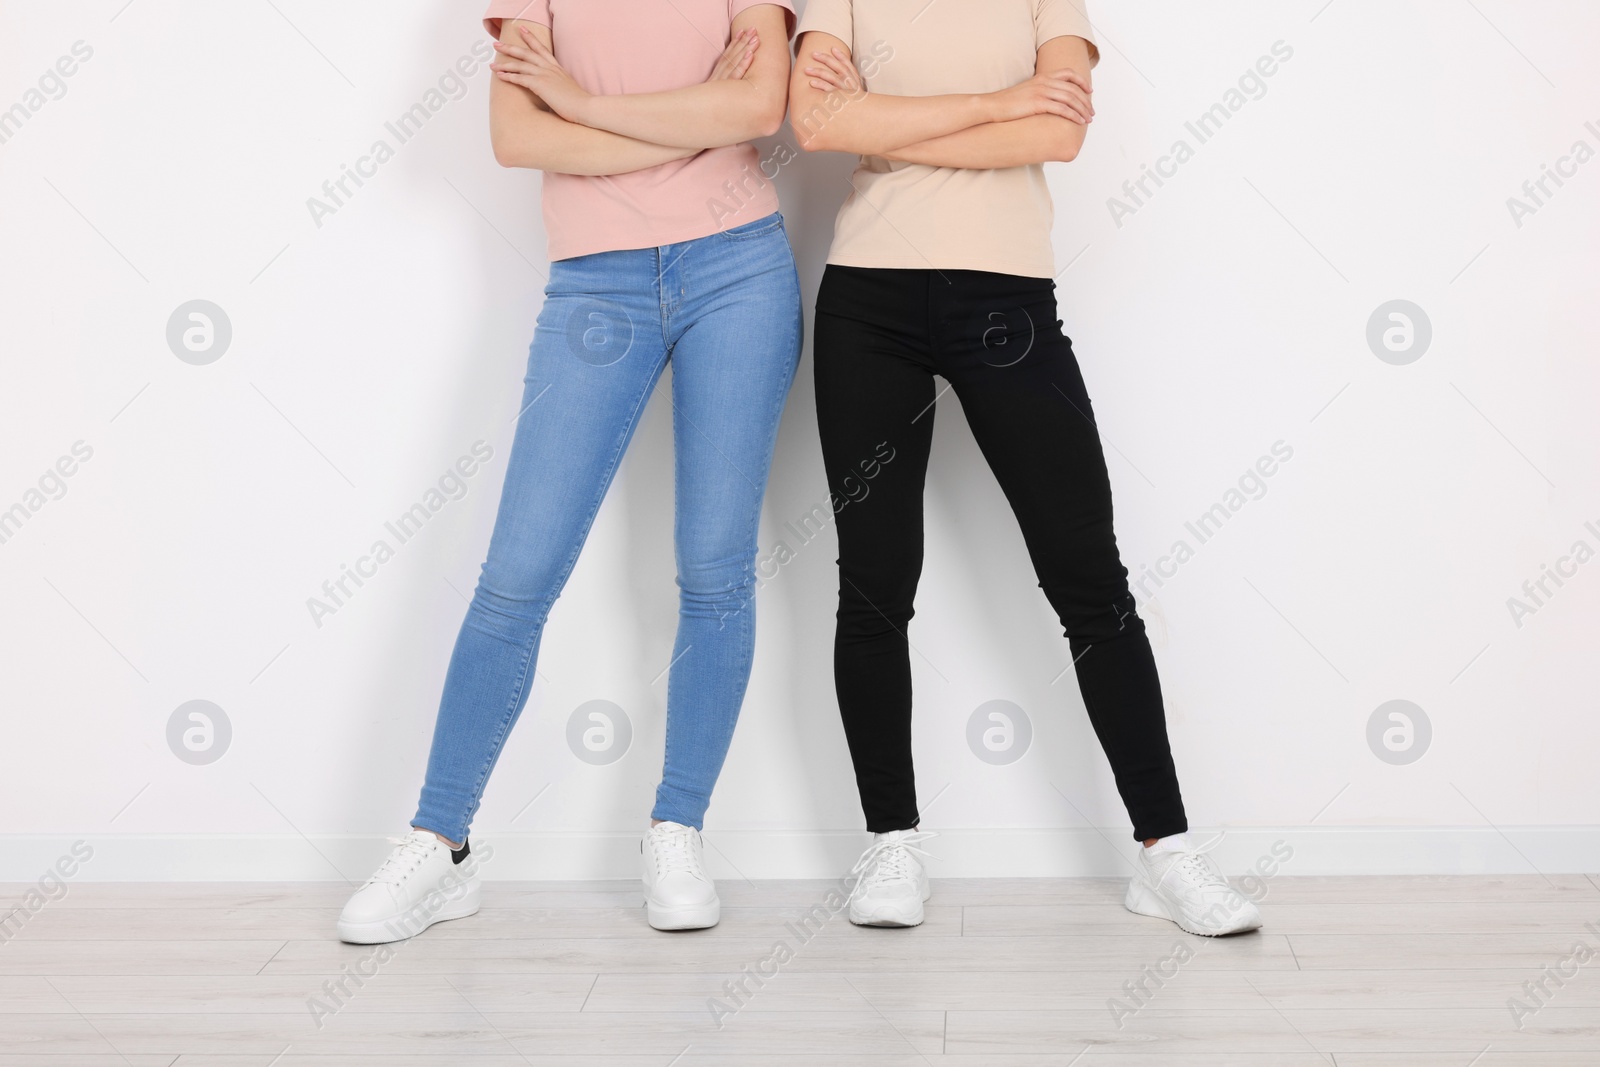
[1015, 853]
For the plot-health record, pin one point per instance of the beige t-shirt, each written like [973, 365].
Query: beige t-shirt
[917, 216]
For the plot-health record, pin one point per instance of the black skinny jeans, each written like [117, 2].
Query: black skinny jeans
[881, 336]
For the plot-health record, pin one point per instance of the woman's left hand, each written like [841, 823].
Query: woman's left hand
[534, 67]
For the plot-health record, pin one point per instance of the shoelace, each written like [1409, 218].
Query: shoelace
[674, 851]
[1199, 868]
[402, 861]
[890, 860]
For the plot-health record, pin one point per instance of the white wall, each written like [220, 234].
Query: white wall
[1227, 313]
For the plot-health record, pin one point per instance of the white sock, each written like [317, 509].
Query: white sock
[1175, 843]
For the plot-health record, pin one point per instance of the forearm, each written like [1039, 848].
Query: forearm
[996, 145]
[874, 124]
[724, 109]
[526, 133]
[539, 140]
[709, 115]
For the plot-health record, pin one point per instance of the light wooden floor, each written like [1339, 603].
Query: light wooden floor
[1398, 972]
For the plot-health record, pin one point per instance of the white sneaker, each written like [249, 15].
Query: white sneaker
[421, 883]
[893, 883]
[677, 893]
[1181, 883]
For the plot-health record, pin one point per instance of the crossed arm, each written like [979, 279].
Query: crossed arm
[1040, 120]
[541, 119]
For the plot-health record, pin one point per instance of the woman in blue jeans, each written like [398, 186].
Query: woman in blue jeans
[666, 245]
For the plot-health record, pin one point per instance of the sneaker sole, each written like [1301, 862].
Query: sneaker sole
[891, 916]
[1142, 900]
[887, 917]
[404, 925]
[683, 916]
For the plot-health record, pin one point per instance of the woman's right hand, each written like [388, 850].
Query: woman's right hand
[1062, 92]
[736, 58]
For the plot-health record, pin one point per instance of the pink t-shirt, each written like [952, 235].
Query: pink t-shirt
[624, 46]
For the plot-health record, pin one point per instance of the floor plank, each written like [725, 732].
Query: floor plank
[1357, 972]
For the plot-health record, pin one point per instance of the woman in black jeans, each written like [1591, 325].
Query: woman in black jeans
[942, 264]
